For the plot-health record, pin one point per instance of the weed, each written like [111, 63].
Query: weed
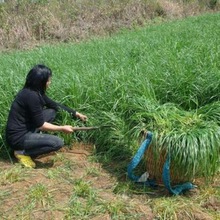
[39, 195]
[115, 208]
[83, 189]
[15, 174]
[93, 171]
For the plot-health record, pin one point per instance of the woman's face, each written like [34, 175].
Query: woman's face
[48, 82]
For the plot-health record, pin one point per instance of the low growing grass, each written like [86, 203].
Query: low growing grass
[12, 175]
[39, 195]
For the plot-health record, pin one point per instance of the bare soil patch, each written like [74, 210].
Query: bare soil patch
[14, 195]
[61, 190]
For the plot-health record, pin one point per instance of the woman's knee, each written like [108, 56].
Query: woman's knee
[57, 143]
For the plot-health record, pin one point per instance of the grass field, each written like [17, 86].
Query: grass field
[157, 78]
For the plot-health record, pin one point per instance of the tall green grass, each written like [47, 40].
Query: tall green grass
[127, 81]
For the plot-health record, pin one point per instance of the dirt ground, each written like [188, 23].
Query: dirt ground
[14, 193]
[78, 157]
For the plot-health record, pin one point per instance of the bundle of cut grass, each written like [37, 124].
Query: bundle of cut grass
[191, 138]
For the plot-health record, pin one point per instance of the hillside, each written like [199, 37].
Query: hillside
[162, 78]
[26, 24]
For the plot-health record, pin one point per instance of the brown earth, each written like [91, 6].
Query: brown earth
[61, 188]
[78, 157]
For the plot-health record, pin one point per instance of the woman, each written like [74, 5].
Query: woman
[32, 112]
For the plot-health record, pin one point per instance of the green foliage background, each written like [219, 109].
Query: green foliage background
[163, 78]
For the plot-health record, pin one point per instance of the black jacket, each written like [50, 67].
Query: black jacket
[26, 114]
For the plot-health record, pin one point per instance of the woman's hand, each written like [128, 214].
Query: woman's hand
[67, 129]
[81, 116]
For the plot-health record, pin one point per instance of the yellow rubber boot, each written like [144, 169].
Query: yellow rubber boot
[25, 160]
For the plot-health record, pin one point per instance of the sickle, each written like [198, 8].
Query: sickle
[90, 128]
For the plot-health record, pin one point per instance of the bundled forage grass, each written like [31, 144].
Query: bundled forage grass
[193, 143]
[127, 81]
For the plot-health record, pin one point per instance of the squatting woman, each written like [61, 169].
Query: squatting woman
[31, 113]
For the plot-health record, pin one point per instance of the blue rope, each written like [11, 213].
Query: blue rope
[178, 189]
[137, 158]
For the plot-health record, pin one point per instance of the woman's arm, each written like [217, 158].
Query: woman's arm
[73, 112]
[51, 127]
[55, 105]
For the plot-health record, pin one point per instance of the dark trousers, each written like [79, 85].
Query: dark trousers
[37, 143]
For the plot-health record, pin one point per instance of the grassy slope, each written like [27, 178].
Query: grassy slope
[175, 62]
[111, 75]
[25, 24]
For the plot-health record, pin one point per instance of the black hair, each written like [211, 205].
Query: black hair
[37, 78]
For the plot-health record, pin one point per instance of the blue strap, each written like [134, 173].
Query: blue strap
[137, 158]
[176, 190]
